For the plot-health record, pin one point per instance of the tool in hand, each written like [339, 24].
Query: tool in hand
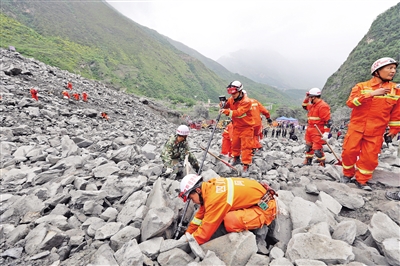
[339, 162]
[222, 100]
[219, 159]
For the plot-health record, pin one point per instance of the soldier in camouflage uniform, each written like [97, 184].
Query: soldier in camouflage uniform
[175, 150]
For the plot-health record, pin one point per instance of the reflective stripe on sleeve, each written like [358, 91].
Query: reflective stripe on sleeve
[356, 102]
[394, 123]
[197, 221]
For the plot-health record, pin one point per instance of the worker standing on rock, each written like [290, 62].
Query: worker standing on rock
[257, 110]
[175, 150]
[238, 108]
[76, 96]
[69, 86]
[240, 203]
[319, 115]
[375, 105]
[34, 94]
[226, 146]
[84, 96]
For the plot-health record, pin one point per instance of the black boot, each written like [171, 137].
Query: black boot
[236, 161]
[307, 161]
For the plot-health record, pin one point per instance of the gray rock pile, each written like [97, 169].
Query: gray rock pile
[77, 189]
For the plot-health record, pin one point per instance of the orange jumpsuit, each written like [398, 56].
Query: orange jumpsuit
[34, 94]
[234, 201]
[69, 85]
[318, 114]
[369, 118]
[84, 96]
[104, 115]
[76, 96]
[243, 131]
[227, 134]
[65, 94]
[257, 108]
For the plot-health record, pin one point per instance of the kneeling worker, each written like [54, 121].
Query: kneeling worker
[240, 203]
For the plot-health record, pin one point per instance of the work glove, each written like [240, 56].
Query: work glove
[168, 171]
[269, 120]
[178, 168]
[325, 136]
[225, 112]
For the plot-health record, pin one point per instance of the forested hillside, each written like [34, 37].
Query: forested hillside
[94, 40]
[382, 40]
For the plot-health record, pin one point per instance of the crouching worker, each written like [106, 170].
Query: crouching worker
[174, 153]
[239, 203]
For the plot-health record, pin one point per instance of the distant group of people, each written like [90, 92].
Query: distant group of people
[75, 95]
[65, 94]
[282, 130]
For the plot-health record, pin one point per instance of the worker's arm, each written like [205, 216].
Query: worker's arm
[212, 219]
[196, 221]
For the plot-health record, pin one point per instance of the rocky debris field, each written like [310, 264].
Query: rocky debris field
[77, 189]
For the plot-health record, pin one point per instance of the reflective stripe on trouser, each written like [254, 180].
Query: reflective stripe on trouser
[242, 143]
[249, 219]
[367, 149]
[314, 139]
[257, 136]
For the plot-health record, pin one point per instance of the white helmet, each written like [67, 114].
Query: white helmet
[314, 92]
[188, 184]
[234, 87]
[182, 130]
[384, 61]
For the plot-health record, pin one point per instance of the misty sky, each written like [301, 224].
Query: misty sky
[321, 30]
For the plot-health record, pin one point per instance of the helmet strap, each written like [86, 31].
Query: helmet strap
[200, 198]
[239, 97]
[379, 76]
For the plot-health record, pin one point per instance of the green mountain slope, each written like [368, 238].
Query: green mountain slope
[255, 90]
[382, 40]
[92, 39]
[116, 49]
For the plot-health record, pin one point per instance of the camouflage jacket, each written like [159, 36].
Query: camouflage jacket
[178, 152]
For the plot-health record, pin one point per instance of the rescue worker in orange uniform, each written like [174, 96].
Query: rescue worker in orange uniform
[34, 94]
[319, 115]
[84, 96]
[375, 105]
[65, 95]
[104, 115]
[240, 203]
[76, 96]
[257, 109]
[238, 108]
[69, 85]
[227, 135]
